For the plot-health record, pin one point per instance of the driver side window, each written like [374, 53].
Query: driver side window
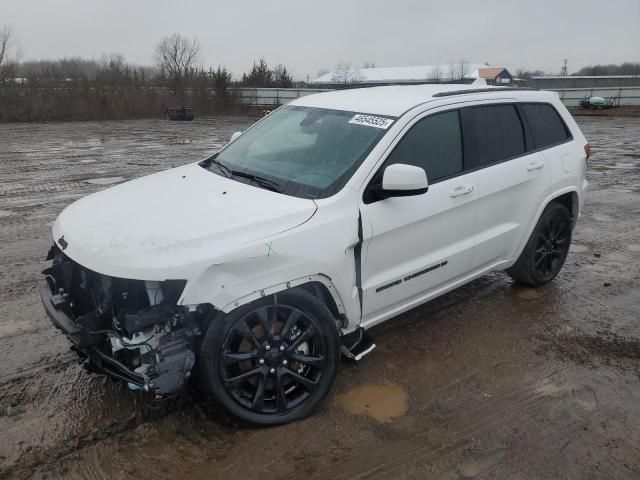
[433, 143]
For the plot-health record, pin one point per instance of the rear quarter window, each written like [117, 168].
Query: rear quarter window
[547, 127]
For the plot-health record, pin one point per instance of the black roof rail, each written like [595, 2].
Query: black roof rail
[481, 90]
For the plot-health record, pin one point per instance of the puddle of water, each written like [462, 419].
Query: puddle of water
[380, 402]
[527, 293]
[576, 248]
[104, 180]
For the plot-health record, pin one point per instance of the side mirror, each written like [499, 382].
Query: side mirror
[234, 136]
[400, 180]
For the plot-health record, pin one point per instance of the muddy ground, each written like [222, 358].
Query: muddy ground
[489, 381]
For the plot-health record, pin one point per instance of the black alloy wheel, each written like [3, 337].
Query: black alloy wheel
[547, 248]
[273, 360]
[552, 246]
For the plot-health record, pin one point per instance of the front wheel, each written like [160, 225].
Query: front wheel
[273, 360]
[547, 248]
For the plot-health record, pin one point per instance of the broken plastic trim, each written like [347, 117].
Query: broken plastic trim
[357, 254]
[361, 346]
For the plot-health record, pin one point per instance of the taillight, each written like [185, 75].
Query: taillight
[587, 150]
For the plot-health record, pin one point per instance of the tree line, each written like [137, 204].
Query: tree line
[111, 87]
[626, 68]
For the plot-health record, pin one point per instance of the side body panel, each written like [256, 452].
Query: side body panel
[508, 197]
[415, 244]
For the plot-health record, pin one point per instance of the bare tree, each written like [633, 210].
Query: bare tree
[435, 75]
[176, 58]
[113, 71]
[345, 75]
[451, 76]
[9, 55]
[458, 71]
[462, 69]
[368, 65]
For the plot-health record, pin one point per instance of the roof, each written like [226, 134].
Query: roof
[413, 73]
[490, 72]
[391, 100]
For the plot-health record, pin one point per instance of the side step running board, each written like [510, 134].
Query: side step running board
[357, 344]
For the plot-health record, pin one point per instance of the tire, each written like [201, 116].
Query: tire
[271, 361]
[545, 252]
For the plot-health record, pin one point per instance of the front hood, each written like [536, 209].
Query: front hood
[160, 226]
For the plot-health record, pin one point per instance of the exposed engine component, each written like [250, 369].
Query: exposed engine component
[131, 329]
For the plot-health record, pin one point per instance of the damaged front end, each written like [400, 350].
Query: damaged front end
[130, 329]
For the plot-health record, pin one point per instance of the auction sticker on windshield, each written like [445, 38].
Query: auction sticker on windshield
[371, 121]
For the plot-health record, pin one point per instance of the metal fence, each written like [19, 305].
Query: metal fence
[619, 96]
[273, 97]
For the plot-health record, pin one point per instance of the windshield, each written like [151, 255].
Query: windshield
[301, 151]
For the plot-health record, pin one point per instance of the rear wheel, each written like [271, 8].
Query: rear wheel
[273, 360]
[547, 248]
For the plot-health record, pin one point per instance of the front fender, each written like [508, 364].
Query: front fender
[321, 250]
[230, 285]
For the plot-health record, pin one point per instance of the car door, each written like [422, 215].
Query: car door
[413, 245]
[513, 180]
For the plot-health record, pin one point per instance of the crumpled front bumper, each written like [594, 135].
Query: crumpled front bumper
[80, 337]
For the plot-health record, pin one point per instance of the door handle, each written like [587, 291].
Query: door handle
[535, 166]
[461, 190]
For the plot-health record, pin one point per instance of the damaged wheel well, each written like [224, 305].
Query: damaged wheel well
[322, 292]
[315, 288]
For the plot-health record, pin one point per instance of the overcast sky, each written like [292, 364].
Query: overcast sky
[308, 36]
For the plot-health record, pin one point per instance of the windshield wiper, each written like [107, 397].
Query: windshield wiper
[263, 182]
[222, 167]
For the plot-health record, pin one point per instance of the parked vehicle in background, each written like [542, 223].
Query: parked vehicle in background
[257, 268]
[180, 113]
[597, 103]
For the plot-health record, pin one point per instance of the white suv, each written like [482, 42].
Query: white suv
[258, 267]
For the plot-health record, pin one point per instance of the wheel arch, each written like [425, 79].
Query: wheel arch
[568, 197]
[571, 201]
[319, 285]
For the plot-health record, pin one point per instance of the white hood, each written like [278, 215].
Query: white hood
[160, 226]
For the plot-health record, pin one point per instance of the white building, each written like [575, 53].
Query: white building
[462, 72]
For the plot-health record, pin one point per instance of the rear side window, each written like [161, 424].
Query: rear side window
[492, 133]
[435, 144]
[546, 125]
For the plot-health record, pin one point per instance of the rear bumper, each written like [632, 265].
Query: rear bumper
[80, 337]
